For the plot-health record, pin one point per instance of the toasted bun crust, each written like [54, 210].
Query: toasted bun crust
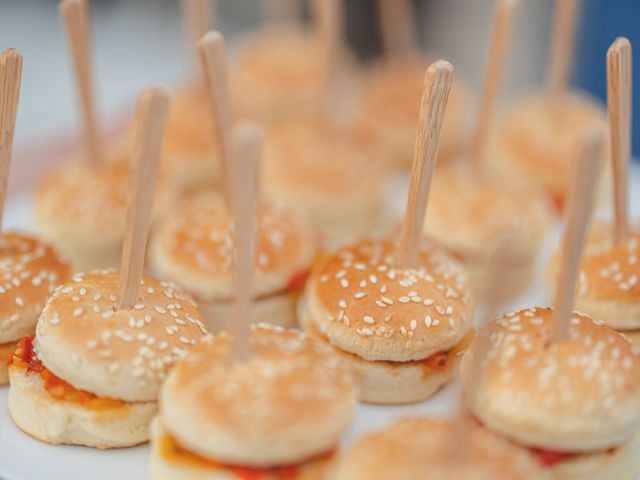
[167, 465]
[582, 394]
[474, 218]
[259, 412]
[421, 448]
[82, 210]
[59, 422]
[391, 103]
[365, 304]
[193, 247]
[609, 287]
[277, 74]
[537, 145]
[29, 272]
[124, 354]
[191, 150]
[394, 383]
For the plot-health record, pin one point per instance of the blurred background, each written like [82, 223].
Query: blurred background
[140, 42]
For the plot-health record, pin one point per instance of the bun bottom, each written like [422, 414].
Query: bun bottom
[166, 464]
[6, 350]
[394, 383]
[622, 463]
[59, 422]
[274, 310]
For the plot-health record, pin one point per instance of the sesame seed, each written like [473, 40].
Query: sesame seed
[77, 312]
[342, 304]
[404, 299]
[19, 301]
[368, 319]
[344, 283]
[359, 295]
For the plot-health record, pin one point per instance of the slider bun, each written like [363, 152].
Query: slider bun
[123, 355]
[420, 448]
[391, 104]
[82, 210]
[580, 395]
[290, 400]
[193, 247]
[55, 421]
[364, 304]
[609, 284]
[30, 270]
[473, 219]
[536, 139]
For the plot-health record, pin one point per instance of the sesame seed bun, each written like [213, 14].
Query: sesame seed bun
[310, 164]
[277, 74]
[366, 305]
[193, 247]
[169, 461]
[29, 272]
[259, 412]
[580, 395]
[55, 421]
[473, 218]
[82, 210]
[390, 106]
[532, 143]
[191, 157]
[420, 448]
[124, 354]
[608, 287]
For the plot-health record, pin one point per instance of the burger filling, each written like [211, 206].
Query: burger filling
[170, 450]
[25, 359]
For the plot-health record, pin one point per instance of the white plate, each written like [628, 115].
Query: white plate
[23, 458]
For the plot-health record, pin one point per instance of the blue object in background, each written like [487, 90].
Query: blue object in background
[602, 21]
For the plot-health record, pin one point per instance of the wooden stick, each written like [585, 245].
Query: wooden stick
[243, 190]
[562, 43]
[75, 16]
[10, 77]
[437, 85]
[151, 120]
[581, 201]
[196, 21]
[500, 38]
[619, 101]
[329, 20]
[215, 70]
[397, 27]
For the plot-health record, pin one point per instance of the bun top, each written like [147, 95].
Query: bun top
[542, 136]
[421, 448]
[365, 304]
[123, 354]
[474, 218]
[580, 394]
[311, 159]
[289, 401]
[29, 272]
[194, 247]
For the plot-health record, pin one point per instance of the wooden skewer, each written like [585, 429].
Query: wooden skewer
[196, 21]
[243, 190]
[397, 27]
[619, 102]
[75, 16]
[151, 120]
[500, 38]
[581, 201]
[215, 70]
[562, 42]
[329, 20]
[10, 77]
[437, 85]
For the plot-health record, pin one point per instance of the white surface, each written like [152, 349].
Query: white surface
[23, 458]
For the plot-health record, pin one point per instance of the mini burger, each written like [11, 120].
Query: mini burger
[29, 272]
[400, 330]
[575, 404]
[418, 448]
[278, 414]
[193, 246]
[91, 375]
